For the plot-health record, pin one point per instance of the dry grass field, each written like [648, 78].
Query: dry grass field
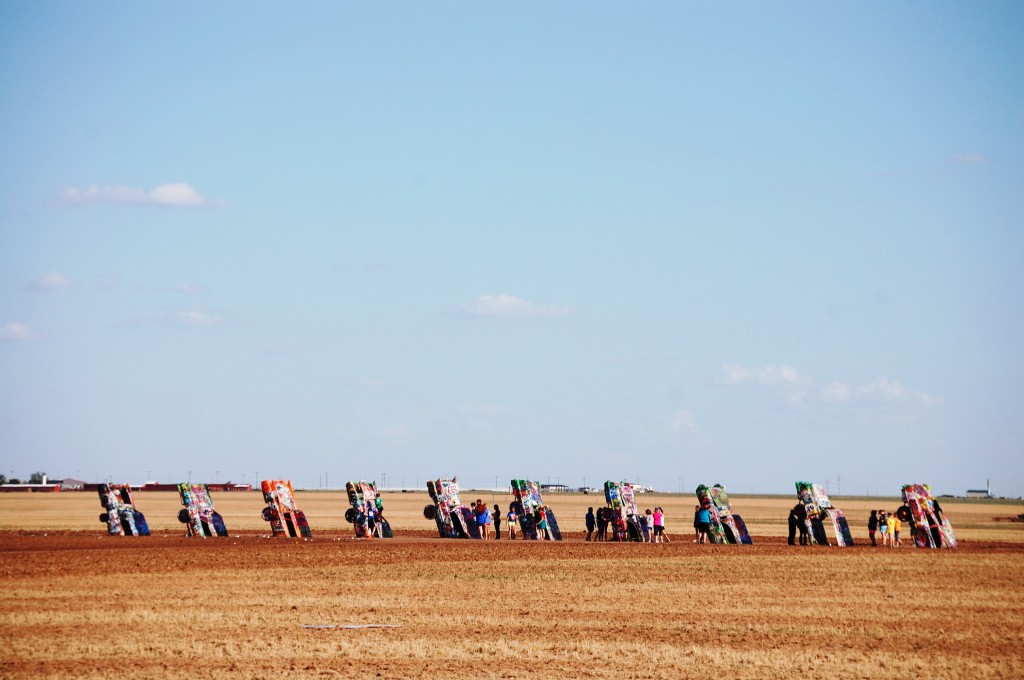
[76, 603]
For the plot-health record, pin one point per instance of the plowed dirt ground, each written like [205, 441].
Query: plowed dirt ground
[76, 603]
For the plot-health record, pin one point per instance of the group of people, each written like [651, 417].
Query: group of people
[485, 518]
[370, 522]
[652, 525]
[887, 524]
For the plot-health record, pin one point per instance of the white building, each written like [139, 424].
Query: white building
[981, 493]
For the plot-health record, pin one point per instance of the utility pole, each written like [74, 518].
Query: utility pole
[327, 484]
[189, 476]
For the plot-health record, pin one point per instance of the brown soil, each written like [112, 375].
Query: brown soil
[81, 604]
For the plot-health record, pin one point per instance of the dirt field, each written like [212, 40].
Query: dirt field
[77, 603]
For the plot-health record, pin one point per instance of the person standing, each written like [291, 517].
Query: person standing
[659, 525]
[590, 522]
[873, 527]
[801, 523]
[648, 528]
[602, 524]
[696, 523]
[893, 525]
[371, 520]
[883, 527]
[483, 519]
[794, 520]
[542, 524]
[497, 522]
[511, 518]
[703, 524]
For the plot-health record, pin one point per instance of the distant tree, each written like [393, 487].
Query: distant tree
[15, 480]
[3, 479]
[36, 478]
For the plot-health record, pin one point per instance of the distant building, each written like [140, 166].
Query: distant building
[226, 486]
[70, 484]
[554, 488]
[981, 493]
[13, 488]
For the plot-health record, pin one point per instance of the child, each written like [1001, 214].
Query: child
[542, 525]
[659, 525]
[511, 518]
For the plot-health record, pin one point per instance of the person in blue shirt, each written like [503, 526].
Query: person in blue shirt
[703, 524]
[483, 519]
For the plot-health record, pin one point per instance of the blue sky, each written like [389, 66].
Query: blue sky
[675, 243]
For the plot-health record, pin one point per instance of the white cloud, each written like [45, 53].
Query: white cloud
[884, 389]
[195, 317]
[734, 374]
[836, 392]
[49, 281]
[800, 390]
[17, 331]
[681, 420]
[177, 195]
[505, 305]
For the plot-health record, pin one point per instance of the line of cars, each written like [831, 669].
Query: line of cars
[454, 519]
